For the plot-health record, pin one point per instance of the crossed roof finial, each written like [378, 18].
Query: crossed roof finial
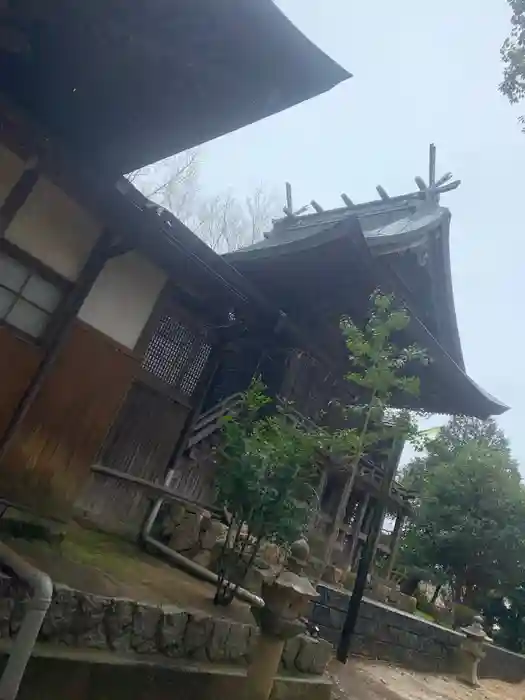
[431, 191]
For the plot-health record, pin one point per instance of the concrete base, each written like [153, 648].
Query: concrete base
[57, 674]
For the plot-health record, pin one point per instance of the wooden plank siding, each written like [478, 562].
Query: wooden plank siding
[18, 362]
[57, 442]
[175, 350]
[140, 443]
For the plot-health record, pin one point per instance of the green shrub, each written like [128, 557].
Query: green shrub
[424, 605]
[463, 615]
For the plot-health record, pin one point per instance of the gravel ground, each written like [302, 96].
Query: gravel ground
[361, 680]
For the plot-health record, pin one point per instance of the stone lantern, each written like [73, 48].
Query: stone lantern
[287, 600]
[471, 652]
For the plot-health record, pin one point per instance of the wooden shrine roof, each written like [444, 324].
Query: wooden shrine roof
[124, 84]
[392, 229]
[320, 266]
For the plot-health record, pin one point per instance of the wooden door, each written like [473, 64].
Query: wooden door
[149, 423]
[140, 443]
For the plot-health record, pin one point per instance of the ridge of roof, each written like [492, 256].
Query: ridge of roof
[392, 226]
[401, 203]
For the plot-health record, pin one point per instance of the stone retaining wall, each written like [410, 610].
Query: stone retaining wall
[391, 635]
[503, 664]
[81, 620]
[387, 634]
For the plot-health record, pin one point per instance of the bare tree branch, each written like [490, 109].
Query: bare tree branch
[223, 221]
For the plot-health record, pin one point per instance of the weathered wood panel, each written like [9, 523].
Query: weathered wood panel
[49, 461]
[18, 361]
[141, 442]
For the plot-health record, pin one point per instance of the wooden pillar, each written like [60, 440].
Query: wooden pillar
[395, 543]
[18, 195]
[100, 254]
[364, 530]
[376, 545]
[320, 489]
[356, 528]
[366, 557]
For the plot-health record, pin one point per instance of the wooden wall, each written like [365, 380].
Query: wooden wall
[140, 443]
[18, 361]
[61, 435]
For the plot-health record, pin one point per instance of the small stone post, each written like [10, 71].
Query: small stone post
[286, 599]
[471, 652]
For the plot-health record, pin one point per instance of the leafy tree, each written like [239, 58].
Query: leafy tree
[266, 478]
[379, 367]
[506, 615]
[459, 431]
[513, 55]
[469, 522]
[266, 467]
[463, 430]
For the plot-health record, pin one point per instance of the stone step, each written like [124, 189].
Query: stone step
[80, 620]
[56, 673]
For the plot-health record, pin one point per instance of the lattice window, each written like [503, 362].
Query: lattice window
[27, 299]
[176, 355]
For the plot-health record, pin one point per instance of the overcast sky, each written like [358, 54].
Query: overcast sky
[423, 72]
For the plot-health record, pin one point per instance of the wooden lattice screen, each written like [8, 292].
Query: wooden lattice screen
[176, 355]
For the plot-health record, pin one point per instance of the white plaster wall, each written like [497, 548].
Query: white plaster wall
[56, 230]
[123, 298]
[53, 228]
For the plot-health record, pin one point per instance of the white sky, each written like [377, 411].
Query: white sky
[423, 72]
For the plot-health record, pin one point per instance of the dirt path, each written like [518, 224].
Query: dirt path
[361, 680]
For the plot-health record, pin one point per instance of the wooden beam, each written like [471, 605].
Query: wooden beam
[382, 193]
[448, 188]
[422, 185]
[346, 199]
[443, 179]
[88, 275]
[432, 166]
[18, 195]
[288, 209]
[156, 490]
[318, 208]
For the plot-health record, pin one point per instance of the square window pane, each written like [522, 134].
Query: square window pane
[6, 301]
[27, 318]
[42, 293]
[12, 273]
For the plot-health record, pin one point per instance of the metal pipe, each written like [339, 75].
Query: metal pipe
[198, 571]
[42, 594]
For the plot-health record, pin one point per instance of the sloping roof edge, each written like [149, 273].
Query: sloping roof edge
[144, 80]
[481, 403]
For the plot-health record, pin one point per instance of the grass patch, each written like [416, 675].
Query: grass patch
[424, 615]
